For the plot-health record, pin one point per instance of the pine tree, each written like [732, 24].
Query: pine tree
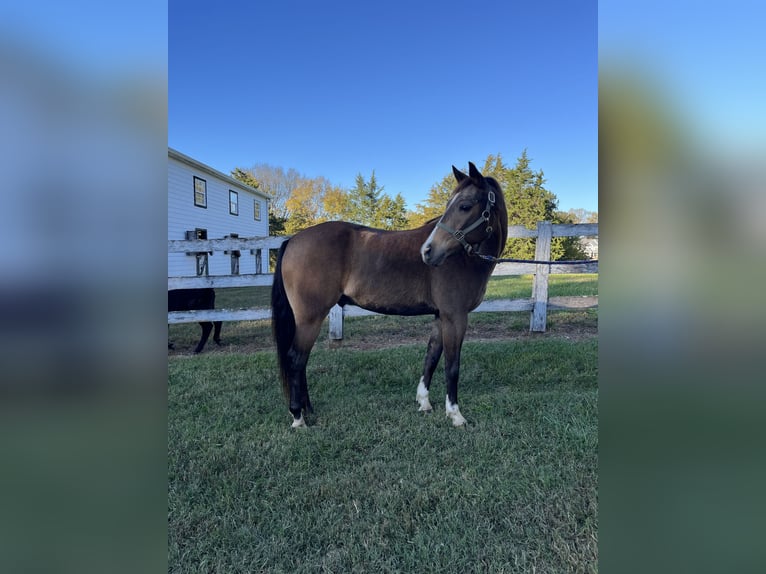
[391, 213]
[528, 201]
[435, 202]
[245, 176]
[368, 205]
[364, 198]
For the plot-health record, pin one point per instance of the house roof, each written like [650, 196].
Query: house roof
[177, 155]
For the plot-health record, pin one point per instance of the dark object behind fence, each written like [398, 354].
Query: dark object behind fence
[193, 300]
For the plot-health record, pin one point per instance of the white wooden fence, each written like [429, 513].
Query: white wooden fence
[538, 304]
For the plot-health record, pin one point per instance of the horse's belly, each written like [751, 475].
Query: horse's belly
[389, 307]
[400, 310]
[391, 288]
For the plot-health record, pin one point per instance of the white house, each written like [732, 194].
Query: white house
[206, 204]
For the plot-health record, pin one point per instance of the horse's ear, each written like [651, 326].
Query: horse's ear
[459, 175]
[474, 173]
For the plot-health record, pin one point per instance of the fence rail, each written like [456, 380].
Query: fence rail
[538, 304]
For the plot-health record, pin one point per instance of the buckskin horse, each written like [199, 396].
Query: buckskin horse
[434, 269]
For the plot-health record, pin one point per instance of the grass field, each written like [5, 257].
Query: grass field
[372, 485]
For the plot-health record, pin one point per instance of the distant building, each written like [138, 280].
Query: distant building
[206, 204]
[590, 246]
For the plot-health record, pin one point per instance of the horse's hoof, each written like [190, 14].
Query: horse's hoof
[422, 398]
[425, 406]
[458, 421]
[453, 413]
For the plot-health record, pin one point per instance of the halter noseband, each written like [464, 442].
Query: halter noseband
[459, 234]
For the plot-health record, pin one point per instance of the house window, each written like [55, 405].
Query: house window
[233, 202]
[257, 210]
[200, 192]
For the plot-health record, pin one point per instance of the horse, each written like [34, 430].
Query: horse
[440, 269]
[192, 300]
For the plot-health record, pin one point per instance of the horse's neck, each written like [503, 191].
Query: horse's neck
[490, 246]
[495, 244]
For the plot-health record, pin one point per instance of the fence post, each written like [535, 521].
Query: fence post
[264, 260]
[258, 257]
[537, 322]
[336, 323]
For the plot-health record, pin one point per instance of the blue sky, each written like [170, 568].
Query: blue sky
[406, 89]
[90, 36]
[707, 59]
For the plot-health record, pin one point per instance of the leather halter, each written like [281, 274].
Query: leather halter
[459, 234]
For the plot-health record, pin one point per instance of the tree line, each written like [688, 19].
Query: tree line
[298, 202]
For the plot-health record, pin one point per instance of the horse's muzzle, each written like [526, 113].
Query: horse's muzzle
[425, 252]
[429, 257]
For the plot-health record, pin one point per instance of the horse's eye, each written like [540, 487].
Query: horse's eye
[466, 206]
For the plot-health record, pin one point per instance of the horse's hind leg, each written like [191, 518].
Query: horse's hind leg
[433, 355]
[305, 336]
[296, 376]
[217, 332]
[207, 326]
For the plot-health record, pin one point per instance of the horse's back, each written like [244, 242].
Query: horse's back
[378, 270]
[321, 246]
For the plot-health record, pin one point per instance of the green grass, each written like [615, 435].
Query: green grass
[520, 286]
[374, 486]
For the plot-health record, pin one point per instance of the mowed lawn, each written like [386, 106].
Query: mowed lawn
[375, 486]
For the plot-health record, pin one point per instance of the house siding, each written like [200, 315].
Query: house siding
[183, 215]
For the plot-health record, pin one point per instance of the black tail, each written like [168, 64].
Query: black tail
[282, 320]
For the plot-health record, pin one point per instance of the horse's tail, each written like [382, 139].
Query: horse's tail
[282, 320]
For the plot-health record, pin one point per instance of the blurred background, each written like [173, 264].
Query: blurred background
[682, 142]
[83, 145]
[83, 107]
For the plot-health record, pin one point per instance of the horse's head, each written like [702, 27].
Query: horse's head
[468, 219]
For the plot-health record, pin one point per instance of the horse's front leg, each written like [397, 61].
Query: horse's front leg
[433, 354]
[453, 332]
